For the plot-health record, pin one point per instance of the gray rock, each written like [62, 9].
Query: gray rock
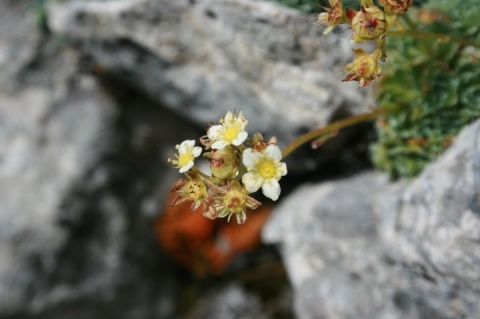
[330, 248]
[433, 223]
[229, 302]
[83, 173]
[91, 104]
[19, 38]
[361, 248]
[203, 58]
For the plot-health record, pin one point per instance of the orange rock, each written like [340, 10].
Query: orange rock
[205, 246]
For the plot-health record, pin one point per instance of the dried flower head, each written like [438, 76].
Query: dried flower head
[264, 170]
[395, 6]
[235, 201]
[332, 17]
[231, 131]
[187, 151]
[191, 189]
[259, 144]
[364, 68]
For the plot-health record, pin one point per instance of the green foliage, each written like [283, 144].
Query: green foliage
[316, 5]
[311, 6]
[303, 5]
[431, 84]
[41, 13]
[434, 84]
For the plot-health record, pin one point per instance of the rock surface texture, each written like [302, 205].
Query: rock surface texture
[95, 94]
[93, 97]
[82, 176]
[203, 58]
[361, 248]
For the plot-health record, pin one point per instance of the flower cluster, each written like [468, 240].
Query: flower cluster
[239, 166]
[370, 23]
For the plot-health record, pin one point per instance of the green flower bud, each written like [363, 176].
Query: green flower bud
[224, 163]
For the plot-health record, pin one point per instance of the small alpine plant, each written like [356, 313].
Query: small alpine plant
[238, 167]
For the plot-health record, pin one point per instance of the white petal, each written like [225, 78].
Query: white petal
[250, 157]
[252, 182]
[241, 137]
[271, 189]
[229, 117]
[219, 145]
[197, 150]
[186, 167]
[186, 146]
[281, 169]
[214, 132]
[274, 152]
[241, 121]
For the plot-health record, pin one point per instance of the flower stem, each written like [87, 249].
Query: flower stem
[437, 36]
[331, 129]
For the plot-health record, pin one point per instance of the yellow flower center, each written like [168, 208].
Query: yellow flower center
[266, 168]
[184, 159]
[231, 133]
[196, 191]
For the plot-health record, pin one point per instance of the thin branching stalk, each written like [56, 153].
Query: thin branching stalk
[331, 128]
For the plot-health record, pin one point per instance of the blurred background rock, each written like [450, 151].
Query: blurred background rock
[94, 95]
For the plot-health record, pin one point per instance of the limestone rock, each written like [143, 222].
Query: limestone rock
[204, 58]
[364, 248]
[82, 174]
[331, 251]
[92, 101]
[433, 223]
[19, 37]
[230, 302]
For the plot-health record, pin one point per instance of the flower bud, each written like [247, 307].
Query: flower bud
[364, 68]
[395, 6]
[224, 163]
[369, 23]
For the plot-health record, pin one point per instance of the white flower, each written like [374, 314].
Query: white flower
[230, 131]
[187, 151]
[264, 170]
